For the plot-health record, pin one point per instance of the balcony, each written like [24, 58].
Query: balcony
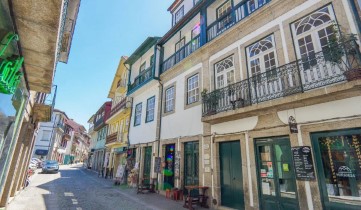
[44, 105]
[318, 70]
[116, 137]
[122, 84]
[141, 79]
[238, 13]
[99, 123]
[182, 53]
[61, 126]
[120, 105]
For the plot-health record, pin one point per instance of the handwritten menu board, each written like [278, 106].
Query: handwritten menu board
[157, 165]
[302, 160]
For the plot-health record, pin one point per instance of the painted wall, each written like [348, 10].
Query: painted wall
[145, 132]
[244, 124]
[183, 122]
[334, 109]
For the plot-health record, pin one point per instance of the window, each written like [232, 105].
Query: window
[224, 9]
[142, 67]
[338, 159]
[224, 16]
[46, 136]
[196, 30]
[151, 60]
[179, 15]
[224, 72]
[150, 109]
[313, 34]
[180, 44]
[193, 89]
[255, 4]
[169, 99]
[262, 56]
[138, 114]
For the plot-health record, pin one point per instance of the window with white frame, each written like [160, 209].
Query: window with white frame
[262, 56]
[224, 16]
[193, 89]
[138, 114]
[150, 109]
[312, 35]
[178, 15]
[142, 67]
[169, 99]
[224, 72]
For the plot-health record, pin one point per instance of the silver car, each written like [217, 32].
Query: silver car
[50, 166]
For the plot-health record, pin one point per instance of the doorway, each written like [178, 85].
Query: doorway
[231, 175]
[147, 162]
[275, 173]
[168, 171]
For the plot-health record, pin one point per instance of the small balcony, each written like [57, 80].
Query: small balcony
[119, 105]
[116, 137]
[182, 53]
[99, 123]
[238, 13]
[44, 105]
[324, 68]
[141, 79]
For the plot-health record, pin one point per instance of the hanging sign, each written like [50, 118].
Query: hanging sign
[177, 164]
[293, 124]
[10, 75]
[302, 160]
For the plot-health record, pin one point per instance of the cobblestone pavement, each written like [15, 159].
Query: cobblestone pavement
[80, 189]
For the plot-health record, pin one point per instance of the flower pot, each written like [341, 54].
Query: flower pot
[353, 74]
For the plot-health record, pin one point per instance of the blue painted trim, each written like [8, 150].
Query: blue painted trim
[146, 109]
[356, 15]
[154, 60]
[203, 25]
[139, 86]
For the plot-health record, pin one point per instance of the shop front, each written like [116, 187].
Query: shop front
[338, 161]
[13, 96]
[275, 173]
[168, 170]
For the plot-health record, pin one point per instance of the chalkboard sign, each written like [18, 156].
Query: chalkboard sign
[302, 159]
[157, 165]
[177, 164]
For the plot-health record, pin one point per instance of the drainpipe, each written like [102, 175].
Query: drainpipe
[212, 142]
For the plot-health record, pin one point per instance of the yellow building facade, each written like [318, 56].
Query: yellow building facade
[118, 121]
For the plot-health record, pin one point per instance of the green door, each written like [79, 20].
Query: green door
[147, 162]
[231, 175]
[338, 162]
[275, 171]
[191, 160]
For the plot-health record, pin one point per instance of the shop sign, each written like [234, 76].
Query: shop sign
[302, 159]
[10, 75]
[293, 124]
[345, 172]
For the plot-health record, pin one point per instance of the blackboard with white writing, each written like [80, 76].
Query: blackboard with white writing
[302, 160]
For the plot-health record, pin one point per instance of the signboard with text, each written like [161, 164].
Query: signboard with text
[302, 159]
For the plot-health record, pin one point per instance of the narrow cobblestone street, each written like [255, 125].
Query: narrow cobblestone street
[77, 188]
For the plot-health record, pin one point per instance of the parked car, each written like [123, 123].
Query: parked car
[50, 166]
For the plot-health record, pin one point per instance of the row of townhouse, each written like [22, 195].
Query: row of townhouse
[259, 100]
[34, 36]
[61, 139]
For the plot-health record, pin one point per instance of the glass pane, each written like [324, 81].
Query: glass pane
[341, 159]
[268, 186]
[285, 170]
[265, 152]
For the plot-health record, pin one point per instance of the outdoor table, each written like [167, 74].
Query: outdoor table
[200, 199]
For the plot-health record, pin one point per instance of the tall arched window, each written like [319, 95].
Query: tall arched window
[224, 72]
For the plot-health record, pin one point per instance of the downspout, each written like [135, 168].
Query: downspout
[160, 108]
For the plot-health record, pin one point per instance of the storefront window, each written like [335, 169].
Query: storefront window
[341, 160]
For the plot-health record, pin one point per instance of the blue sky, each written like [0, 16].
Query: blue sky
[105, 31]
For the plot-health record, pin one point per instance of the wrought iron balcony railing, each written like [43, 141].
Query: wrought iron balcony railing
[119, 105]
[142, 78]
[182, 53]
[317, 70]
[238, 13]
[98, 123]
[117, 137]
